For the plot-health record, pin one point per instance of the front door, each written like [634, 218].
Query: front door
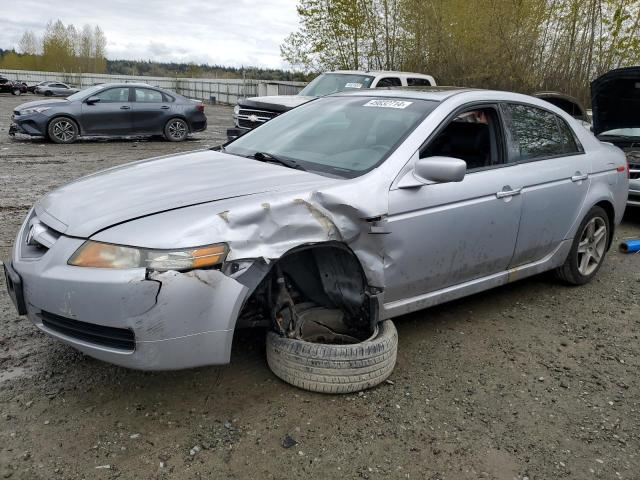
[554, 173]
[445, 234]
[109, 116]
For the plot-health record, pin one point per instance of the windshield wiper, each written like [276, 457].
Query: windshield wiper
[268, 157]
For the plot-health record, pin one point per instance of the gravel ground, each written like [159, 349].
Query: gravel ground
[532, 380]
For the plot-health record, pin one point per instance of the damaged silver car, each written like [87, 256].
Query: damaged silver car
[321, 225]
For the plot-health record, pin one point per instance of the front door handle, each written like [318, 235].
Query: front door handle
[125, 107]
[578, 177]
[164, 107]
[508, 192]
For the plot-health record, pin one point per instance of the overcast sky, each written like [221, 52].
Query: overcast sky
[226, 32]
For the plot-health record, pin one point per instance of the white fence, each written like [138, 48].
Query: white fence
[220, 90]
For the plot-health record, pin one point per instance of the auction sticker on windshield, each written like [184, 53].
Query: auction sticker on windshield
[353, 85]
[387, 103]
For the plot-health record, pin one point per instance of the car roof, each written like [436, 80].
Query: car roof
[437, 94]
[378, 72]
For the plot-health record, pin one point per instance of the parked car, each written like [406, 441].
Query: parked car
[114, 109]
[57, 89]
[569, 104]
[322, 225]
[32, 88]
[615, 102]
[15, 88]
[254, 111]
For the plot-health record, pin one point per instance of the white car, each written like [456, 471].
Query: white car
[253, 112]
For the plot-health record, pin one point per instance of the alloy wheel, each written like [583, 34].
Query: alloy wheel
[592, 246]
[177, 129]
[64, 130]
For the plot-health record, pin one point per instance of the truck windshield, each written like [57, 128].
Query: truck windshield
[329, 83]
[344, 136]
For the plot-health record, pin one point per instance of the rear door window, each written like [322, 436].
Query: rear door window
[418, 82]
[536, 133]
[146, 95]
[389, 82]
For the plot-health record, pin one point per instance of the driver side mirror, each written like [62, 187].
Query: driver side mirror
[92, 100]
[434, 170]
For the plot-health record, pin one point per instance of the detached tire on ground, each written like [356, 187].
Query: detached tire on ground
[332, 368]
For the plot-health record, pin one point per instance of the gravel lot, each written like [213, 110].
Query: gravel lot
[532, 380]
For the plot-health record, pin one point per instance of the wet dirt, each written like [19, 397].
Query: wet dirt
[532, 380]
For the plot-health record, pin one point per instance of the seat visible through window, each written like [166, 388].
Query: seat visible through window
[471, 137]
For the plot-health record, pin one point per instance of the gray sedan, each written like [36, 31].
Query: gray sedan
[111, 110]
[321, 225]
[58, 89]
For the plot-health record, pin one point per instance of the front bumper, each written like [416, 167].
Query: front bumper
[177, 320]
[34, 125]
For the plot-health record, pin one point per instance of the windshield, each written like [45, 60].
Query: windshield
[344, 136]
[86, 93]
[329, 83]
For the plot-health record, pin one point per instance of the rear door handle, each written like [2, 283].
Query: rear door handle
[578, 177]
[164, 107]
[507, 192]
[125, 107]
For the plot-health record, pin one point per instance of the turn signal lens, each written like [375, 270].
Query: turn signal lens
[106, 255]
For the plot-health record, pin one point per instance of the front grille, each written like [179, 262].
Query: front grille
[119, 338]
[261, 114]
[37, 238]
[248, 123]
[634, 171]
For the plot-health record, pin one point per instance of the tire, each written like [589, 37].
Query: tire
[17, 91]
[176, 130]
[587, 243]
[62, 130]
[48, 93]
[330, 368]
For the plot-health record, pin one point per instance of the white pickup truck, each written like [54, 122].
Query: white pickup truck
[254, 111]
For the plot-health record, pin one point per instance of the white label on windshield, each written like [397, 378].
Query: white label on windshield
[387, 103]
[353, 85]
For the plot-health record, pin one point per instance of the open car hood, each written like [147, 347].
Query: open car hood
[615, 100]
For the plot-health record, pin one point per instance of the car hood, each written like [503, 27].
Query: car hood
[278, 103]
[615, 100]
[42, 103]
[139, 189]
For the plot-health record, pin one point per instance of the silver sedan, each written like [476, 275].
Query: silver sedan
[58, 89]
[366, 205]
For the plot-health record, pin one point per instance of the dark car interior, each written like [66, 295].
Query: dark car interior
[471, 137]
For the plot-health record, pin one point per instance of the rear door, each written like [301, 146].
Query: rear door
[111, 115]
[554, 174]
[151, 109]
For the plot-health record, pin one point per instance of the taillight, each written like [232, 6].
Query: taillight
[621, 169]
[200, 107]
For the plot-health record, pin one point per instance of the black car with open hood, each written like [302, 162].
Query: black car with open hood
[615, 102]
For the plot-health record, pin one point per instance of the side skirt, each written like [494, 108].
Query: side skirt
[408, 305]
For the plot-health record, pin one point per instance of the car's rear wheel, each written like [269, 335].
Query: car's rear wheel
[62, 130]
[176, 130]
[16, 91]
[334, 368]
[48, 93]
[588, 249]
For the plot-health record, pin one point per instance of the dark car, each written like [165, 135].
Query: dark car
[615, 102]
[111, 109]
[15, 88]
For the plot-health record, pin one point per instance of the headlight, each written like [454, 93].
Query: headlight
[236, 110]
[107, 255]
[29, 111]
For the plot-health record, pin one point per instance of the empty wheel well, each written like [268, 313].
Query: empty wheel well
[611, 214]
[321, 276]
